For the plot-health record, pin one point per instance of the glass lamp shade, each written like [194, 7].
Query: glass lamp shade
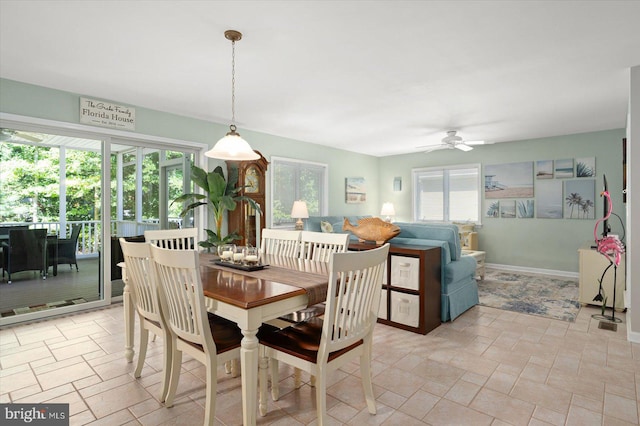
[232, 147]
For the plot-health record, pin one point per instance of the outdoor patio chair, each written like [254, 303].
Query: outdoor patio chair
[68, 248]
[25, 251]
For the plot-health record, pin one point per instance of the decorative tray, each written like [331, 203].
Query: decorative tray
[247, 268]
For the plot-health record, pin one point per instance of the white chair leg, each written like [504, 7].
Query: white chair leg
[297, 380]
[142, 352]
[365, 373]
[262, 382]
[227, 367]
[235, 368]
[176, 365]
[166, 363]
[210, 399]
[275, 382]
[321, 398]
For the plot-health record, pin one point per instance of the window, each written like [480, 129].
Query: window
[447, 194]
[293, 180]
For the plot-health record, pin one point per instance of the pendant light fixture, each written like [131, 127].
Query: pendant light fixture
[232, 146]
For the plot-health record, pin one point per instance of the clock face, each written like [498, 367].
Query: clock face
[251, 181]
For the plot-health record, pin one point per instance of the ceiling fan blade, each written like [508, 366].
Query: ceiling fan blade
[430, 148]
[476, 142]
[463, 147]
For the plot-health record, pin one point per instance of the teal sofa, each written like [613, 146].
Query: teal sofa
[459, 289]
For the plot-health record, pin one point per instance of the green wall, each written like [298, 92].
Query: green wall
[531, 243]
[36, 101]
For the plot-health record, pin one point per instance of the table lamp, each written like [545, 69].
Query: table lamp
[388, 211]
[299, 211]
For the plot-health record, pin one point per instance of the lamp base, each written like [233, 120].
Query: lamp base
[299, 225]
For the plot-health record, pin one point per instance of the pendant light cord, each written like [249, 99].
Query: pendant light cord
[233, 83]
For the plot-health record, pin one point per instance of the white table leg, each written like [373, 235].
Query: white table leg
[249, 364]
[129, 322]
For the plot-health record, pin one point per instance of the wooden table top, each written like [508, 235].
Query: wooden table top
[282, 279]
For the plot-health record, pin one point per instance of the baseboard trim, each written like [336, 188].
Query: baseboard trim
[553, 272]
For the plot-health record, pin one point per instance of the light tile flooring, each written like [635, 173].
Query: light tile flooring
[488, 367]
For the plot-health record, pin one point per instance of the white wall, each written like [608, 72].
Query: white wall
[633, 207]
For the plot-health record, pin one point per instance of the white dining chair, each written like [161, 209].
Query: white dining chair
[320, 345]
[208, 338]
[319, 246]
[176, 239]
[141, 277]
[279, 242]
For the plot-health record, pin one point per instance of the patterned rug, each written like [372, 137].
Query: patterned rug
[542, 295]
[42, 307]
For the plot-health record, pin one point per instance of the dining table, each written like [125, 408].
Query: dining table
[281, 285]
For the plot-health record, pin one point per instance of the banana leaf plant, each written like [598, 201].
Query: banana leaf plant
[220, 196]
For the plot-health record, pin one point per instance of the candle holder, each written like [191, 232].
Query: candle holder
[251, 256]
[226, 251]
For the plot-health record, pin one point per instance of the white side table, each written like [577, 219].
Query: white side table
[479, 256]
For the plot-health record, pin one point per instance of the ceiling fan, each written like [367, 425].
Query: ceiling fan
[452, 140]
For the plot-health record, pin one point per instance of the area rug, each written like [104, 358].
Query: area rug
[546, 296]
[42, 307]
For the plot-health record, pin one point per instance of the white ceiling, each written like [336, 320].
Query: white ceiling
[376, 77]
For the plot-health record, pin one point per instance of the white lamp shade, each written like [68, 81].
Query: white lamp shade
[387, 210]
[232, 147]
[299, 210]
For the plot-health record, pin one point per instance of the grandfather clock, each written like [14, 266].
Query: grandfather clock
[251, 175]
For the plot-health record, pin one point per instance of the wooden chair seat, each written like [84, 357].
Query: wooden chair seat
[301, 340]
[226, 334]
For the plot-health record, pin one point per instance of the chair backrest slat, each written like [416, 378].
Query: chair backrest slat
[353, 297]
[174, 239]
[280, 242]
[319, 246]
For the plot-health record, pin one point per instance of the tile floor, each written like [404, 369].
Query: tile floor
[488, 367]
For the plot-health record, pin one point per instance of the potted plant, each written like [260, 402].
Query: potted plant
[220, 195]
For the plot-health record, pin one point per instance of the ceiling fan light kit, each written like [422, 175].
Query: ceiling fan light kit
[452, 140]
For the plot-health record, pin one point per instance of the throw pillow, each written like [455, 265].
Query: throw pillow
[326, 226]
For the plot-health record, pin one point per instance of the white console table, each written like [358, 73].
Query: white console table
[592, 265]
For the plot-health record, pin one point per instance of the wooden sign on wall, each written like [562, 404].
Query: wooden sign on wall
[107, 114]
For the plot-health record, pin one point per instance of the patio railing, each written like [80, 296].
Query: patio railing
[90, 233]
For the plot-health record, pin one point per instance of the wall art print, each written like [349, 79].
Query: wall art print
[524, 209]
[355, 190]
[509, 180]
[586, 167]
[564, 168]
[544, 169]
[493, 209]
[507, 209]
[579, 199]
[549, 199]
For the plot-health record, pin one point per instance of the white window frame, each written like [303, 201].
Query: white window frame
[324, 207]
[415, 174]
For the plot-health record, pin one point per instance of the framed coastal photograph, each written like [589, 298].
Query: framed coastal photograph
[579, 199]
[507, 209]
[549, 199]
[586, 167]
[544, 169]
[355, 190]
[564, 168]
[509, 180]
